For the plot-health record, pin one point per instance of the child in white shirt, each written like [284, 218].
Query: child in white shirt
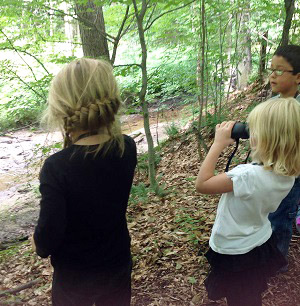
[243, 252]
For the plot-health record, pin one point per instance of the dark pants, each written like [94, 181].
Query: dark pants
[83, 288]
[239, 300]
[283, 218]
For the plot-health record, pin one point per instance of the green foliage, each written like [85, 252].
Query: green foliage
[165, 81]
[138, 194]
[143, 160]
[27, 43]
[129, 78]
[172, 79]
[46, 150]
[20, 110]
[211, 120]
[61, 59]
[36, 190]
[20, 105]
[172, 130]
[36, 41]
[12, 250]
[189, 224]
[191, 179]
[23, 93]
[192, 280]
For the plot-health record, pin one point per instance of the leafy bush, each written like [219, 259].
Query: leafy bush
[20, 105]
[212, 120]
[138, 194]
[172, 130]
[20, 110]
[172, 79]
[143, 160]
[164, 81]
[129, 78]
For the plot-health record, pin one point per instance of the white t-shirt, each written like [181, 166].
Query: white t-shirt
[242, 216]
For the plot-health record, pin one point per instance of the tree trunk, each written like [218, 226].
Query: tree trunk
[201, 65]
[220, 78]
[94, 42]
[151, 153]
[230, 84]
[263, 55]
[289, 9]
[245, 62]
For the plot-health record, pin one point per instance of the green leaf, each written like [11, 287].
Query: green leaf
[192, 280]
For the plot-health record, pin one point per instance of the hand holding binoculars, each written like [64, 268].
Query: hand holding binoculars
[240, 130]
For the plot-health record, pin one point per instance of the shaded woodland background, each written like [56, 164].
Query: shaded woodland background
[196, 50]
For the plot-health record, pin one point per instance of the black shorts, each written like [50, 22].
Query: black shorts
[245, 274]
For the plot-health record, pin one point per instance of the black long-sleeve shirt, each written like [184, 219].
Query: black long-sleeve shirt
[82, 222]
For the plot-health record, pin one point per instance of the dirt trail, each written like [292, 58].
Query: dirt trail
[18, 181]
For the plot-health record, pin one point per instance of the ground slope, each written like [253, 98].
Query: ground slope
[169, 238]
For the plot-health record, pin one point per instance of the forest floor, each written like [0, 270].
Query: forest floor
[169, 236]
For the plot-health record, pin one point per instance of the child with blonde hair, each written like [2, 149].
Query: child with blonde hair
[243, 252]
[85, 189]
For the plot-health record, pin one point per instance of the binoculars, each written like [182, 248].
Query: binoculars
[240, 130]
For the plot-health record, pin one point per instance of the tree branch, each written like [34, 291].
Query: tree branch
[30, 87]
[118, 37]
[136, 11]
[56, 41]
[13, 47]
[261, 35]
[26, 52]
[147, 23]
[20, 288]
[83, 20]
[167, 12]
[127, 28]
[144, 9]
[123, 23]
[128, 65]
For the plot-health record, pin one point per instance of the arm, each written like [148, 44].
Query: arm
[207, 182]
[50, 230]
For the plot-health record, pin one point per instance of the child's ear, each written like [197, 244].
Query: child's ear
[298, 78]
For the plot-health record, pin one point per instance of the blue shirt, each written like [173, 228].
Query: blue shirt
[278, 96]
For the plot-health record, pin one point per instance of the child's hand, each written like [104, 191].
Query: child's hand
[223, 133]
[298, 223]
[32, 243]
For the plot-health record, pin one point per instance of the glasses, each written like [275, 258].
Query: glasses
[278, 72]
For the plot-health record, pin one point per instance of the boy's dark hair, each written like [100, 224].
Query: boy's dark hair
[292, 54]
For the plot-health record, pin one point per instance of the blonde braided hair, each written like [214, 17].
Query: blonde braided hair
[84, 96]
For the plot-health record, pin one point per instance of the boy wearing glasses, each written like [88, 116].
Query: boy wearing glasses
[285, 79]
[285, 71]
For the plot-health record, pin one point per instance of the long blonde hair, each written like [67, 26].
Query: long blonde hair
[84, 96]
[275, 135]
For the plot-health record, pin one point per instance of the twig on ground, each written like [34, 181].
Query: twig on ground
[20, 288]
